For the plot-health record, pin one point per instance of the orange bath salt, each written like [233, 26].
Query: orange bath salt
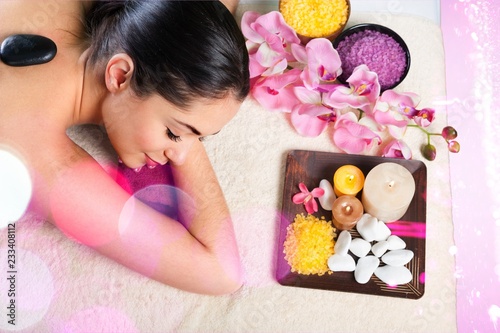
[348, 180]
[315, 18]
[308, 245]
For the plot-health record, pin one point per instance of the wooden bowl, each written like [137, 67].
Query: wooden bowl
[331, 36]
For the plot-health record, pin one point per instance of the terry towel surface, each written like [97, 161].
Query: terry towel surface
[67, 287]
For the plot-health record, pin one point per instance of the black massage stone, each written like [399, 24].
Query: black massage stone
[27, 50]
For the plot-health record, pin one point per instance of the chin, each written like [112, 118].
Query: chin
[124, 162]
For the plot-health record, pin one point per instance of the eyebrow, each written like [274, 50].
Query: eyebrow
[194, 130]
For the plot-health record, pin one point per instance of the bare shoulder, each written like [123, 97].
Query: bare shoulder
[231, 5]
[51, 86]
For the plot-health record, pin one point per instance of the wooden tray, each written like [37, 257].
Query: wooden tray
[310, 167]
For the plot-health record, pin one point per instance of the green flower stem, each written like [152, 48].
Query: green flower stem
[429, 134]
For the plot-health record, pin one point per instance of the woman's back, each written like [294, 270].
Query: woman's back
[41, 88]
[36, 102]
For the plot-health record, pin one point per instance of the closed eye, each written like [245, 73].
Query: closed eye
[172, 136]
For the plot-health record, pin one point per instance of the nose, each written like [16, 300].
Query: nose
[178, 152]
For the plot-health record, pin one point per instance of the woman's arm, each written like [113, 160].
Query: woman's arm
[199, 255]
[205, 214]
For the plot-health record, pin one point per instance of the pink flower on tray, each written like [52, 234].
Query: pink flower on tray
[307, 198]
[353, 136]
[363, 90]
[397, 149]
[269, 41]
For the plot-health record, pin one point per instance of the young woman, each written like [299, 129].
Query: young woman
[159, 76]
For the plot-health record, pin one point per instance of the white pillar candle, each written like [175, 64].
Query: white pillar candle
[388, 191]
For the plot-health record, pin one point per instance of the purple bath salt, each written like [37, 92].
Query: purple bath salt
[380, 52]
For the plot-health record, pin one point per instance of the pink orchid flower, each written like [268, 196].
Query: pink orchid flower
[307, 198]
[392, 109]
[424, 117]
[397, 149]
[310, 117]
[275, 93]
[322, 64]
[408, 111]
[363, 90]
[353, 136]
[268, 42]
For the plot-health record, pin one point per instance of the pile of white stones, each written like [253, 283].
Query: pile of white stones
[385, 248]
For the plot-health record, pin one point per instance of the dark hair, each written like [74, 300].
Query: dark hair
[181, 49]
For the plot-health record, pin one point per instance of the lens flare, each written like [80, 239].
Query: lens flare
[15, 188]
[27, 291]
[136, 228]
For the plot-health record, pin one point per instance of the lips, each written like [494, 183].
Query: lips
[151, 163]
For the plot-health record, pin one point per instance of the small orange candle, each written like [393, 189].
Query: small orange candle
[346, 210]
[348, 180]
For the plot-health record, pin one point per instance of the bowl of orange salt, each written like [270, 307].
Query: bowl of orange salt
[316, 18]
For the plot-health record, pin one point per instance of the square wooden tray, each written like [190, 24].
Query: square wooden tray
[310, 167]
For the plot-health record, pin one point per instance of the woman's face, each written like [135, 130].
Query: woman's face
[152, 131]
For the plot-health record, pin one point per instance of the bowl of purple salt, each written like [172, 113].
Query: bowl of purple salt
[381, 49]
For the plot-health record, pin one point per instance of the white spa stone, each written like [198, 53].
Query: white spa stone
[397, 257]
[359, 247]
[343, 243]
[396, 243]
[341, 263]
[379, 248]
[367, 227]
[383, 231]
[327, 199]
[365, 268]
[394, 275]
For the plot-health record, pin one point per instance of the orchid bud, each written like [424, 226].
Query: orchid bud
[429, 152]
[449, 133]
[453, 146]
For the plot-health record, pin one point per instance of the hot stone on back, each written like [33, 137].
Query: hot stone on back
[27, 50]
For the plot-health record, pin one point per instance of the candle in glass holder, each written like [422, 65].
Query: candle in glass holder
[388, 191]
[346, 211]
[348, 180]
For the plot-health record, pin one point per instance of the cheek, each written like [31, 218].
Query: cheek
[118, 126]
[154, 138]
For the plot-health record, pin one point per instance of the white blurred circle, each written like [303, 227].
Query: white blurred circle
[15, 188]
